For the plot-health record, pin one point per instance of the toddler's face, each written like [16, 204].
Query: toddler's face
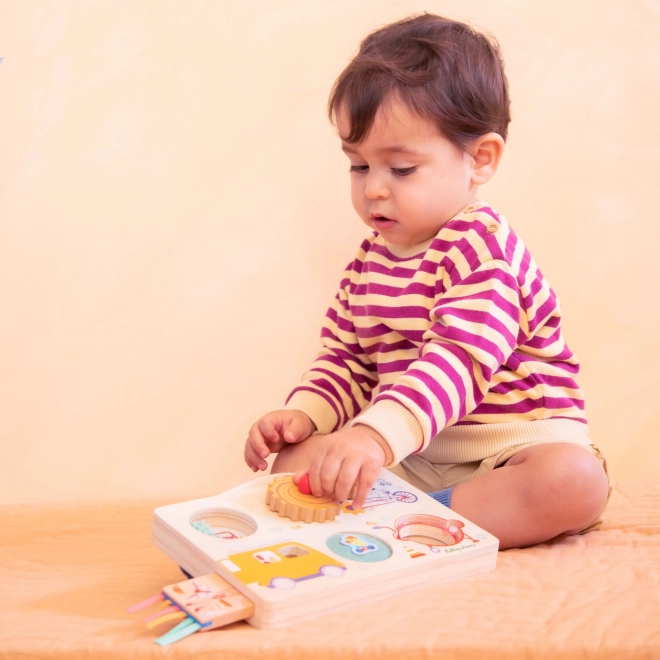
[407, 180]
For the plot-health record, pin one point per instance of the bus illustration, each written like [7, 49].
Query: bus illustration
[282, 565]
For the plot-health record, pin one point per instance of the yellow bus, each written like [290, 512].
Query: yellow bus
[282, 565]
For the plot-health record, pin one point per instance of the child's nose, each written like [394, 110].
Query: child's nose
[375, 187]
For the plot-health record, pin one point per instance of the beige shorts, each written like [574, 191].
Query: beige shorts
[428, 471]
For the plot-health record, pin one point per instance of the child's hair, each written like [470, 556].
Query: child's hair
[442, 70]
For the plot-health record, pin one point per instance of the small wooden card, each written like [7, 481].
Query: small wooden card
[210, 600]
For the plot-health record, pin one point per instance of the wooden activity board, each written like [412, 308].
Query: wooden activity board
[291, 570]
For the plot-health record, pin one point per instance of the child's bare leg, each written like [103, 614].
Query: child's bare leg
[540, 492]
[296, 456]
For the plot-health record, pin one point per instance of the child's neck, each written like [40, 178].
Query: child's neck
[407, 251]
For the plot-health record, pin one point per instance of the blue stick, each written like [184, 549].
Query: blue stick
[179, 632]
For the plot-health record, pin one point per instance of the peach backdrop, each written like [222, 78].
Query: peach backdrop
[174, 218]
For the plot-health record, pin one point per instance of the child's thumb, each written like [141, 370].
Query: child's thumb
[296, 432]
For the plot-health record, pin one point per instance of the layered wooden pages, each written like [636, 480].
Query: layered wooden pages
[400, 540]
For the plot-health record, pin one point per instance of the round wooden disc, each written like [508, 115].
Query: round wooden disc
[283, 496]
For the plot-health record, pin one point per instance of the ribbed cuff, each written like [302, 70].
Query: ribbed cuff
[316, 408]
[401, 430]
[466, 443]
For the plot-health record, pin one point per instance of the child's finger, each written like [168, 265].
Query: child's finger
[295, 429]
[366, 482]
[249, 463]
[252, 466]
[264, 438]
[316, 470]
[256, 442]
[345, 480]
[268, 430]
[330, 473]
[253, 459]
[260, 448]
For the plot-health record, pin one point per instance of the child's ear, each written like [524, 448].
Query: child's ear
[486, 152]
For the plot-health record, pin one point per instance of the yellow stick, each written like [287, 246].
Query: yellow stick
[166, 617]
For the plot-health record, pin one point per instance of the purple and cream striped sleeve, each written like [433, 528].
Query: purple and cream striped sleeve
[475, 326]
[340, 381]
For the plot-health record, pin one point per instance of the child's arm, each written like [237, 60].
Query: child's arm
[476, 325]
[339, 384]
[335, 389]
[272, 432]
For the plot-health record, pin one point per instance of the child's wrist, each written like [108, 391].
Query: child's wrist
[377, 437]
[312, 425]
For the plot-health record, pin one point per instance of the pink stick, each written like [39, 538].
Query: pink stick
[145, 603]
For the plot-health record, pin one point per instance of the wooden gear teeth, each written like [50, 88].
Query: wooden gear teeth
[283, 496]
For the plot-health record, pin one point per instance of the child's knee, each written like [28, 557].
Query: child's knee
[569, 475]
[582, 473]
[589, 493]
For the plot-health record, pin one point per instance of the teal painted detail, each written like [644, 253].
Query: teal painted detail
[203, 527]
[357, 546]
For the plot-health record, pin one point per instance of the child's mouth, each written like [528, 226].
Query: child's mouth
[381, 223]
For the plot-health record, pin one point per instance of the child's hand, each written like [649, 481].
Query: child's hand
[354, 454]
[272, 432]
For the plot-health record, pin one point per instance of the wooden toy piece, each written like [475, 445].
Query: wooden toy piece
[143, 604]
[210, 600]
[161, 612]
[284, 497]
[164, 618]
[290, 571]
[303, 486]
[201, 603]
[187, 627]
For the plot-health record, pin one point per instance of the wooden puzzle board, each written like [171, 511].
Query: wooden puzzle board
[292, 569]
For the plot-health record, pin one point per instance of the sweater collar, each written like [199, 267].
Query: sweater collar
[409, 251]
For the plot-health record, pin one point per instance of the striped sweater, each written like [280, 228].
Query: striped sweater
[461, 329]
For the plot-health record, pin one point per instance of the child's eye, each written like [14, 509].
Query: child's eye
[359, 168]
[403, 171]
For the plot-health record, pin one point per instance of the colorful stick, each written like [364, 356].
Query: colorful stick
[167, 617]
[171, 637]
[160, 612]
[145, 603]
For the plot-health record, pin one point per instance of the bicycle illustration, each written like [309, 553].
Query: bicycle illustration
[381, 494]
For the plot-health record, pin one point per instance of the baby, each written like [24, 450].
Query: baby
[442, 355]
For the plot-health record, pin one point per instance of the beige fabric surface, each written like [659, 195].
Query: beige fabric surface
[67, 574]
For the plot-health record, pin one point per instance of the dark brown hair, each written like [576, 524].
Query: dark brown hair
[442, 70]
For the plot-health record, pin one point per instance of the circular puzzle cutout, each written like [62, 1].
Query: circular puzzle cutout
[225, 524]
